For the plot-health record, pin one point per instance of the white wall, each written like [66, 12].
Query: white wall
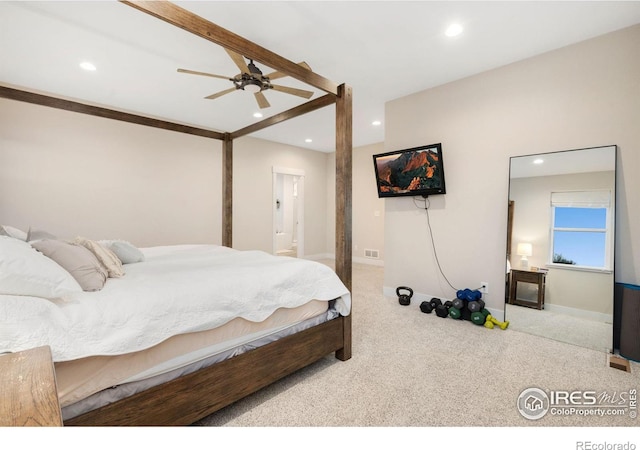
[253, 161]
[580, 96]
[367, 208]
[74, 174]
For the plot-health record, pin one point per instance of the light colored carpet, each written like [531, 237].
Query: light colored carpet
[411, 369]
[561, 327]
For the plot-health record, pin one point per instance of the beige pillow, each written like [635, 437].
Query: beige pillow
[107, 258]
[36, 234]
[80, 262]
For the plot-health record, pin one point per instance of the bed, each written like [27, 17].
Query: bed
[182, 383]
[177, 310]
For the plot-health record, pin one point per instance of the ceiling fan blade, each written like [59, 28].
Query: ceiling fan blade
[292, 91]
[262, 100]
[195, 72]
[239, 61]
[220, 94]
[277, 74]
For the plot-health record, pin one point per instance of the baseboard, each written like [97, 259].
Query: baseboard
[369, 261]
[319, 256]
[356, 259]
[581, 313]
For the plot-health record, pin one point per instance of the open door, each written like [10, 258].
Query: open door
[288, 212]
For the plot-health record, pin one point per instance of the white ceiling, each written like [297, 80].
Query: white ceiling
[383, 49]
[595, 159]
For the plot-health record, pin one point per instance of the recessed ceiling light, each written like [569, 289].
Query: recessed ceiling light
[86, 65]
[376, 123]
[308, 140]
[454, 30]
[538, 161]
[257, 115]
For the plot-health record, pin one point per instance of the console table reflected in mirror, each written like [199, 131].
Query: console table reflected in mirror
[527, 276]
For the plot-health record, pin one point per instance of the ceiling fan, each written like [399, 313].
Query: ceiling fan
[252, 80]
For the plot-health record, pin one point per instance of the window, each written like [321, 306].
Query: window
[581, 229]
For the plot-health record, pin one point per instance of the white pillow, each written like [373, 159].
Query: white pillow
[125, 251]
[7, 230]
[25, 271]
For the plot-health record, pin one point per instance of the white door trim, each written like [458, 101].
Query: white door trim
[276, 170]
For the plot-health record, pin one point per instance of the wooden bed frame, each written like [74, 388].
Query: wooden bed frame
[194, 396]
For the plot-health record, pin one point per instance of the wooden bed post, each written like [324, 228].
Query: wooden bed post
[344, 123]
[227, 191]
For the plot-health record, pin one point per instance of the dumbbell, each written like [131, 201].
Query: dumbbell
[493, 320]
[455, 313]
[475, 305]
[443, 309]
[478, 318]
[456, 308]
[428, 307]
[469, 295]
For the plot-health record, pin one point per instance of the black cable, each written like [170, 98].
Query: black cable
[433, 244]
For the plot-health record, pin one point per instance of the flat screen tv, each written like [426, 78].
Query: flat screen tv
[413, 171]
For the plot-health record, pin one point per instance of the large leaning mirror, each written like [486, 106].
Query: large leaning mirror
[560, 246]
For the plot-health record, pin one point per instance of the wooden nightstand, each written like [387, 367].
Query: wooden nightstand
[527, 276]
[28, 394]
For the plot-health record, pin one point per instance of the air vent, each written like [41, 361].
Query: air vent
[369, 253]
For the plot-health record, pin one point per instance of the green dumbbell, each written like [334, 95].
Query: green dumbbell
[478, 318]
[455, 313]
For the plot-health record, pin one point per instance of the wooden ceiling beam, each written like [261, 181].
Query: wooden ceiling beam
[199, 26]
[317, 103]
[69, 105]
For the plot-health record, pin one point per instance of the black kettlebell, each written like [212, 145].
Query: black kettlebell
[404, 299]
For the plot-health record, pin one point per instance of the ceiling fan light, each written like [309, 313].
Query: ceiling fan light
[253, 86]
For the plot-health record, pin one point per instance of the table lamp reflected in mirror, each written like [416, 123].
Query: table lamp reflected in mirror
[524, 249]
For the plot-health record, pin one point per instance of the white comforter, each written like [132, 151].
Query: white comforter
[178, 289]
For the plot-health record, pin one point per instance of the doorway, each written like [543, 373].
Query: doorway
[288, 212]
